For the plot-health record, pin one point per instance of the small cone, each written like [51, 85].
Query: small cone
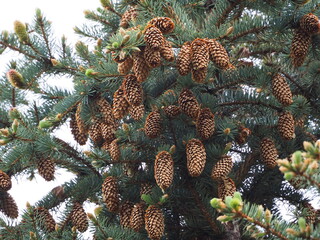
[45, 218]
[80, 138]
[81, 124]
[79, 218]
[205, 123]
[219, 55]
[165, 24]
[137, 112]
[8, 206]
[200, 54]
[46, 168]
[110, 193]
[196, 157]
[281, 90]
[5, 182]
[126, 66]
[132, 90]
[222, 168]
[120, 105]
[163, 170]
[172, 111]
[154, 221]
[268, 152]
[128, 16]
[189, 104]
[153, 37]
[199, 75]
[167, 52]
[286, 125]
[152, 57]
[16, 79]
[152, 126]
[114, 150]
[137, 217]
[310, 24]
[140, 66]
[299, 47]
[95, 132]
[226, 187]
[184, 59]
[21, 30]
[107, 132]
[105, 109]
[125, 214]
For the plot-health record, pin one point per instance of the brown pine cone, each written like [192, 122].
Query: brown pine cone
[199, 75]
[120, 105]
[137, 112]
[79, 217]
[79, 137]
[222, 168]
[165, 24]
[281, 90]
[114, 150]
[105, 109]
[137, 217]
[5, 182]
[128, 16]
[8, 205]
[172, 111]
[125, 211]
[152, 57]
[126, 66]
[184, 59]
[167, 52]
[83, 128]
[205, 123]
[95, 132]
[268, 152]
[219, 55]
[132, 90]
[154, 221]
[152, 126]
[145, 188]
[163, 170]
[189, 104]
[299, 47]
[226, 187]
[110, 193]
[46, 168]
[310, 24]
[196, 157]
[45, 219]
[153, 37]
[286, 125]
[140, 66]
[200, 54]
[107, 132]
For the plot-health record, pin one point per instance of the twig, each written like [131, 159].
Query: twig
[13, 100]
[253, 30]
[226, 12]
[45, 37]
[18, 50]
[252, 103]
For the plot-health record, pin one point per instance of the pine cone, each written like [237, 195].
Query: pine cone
[132, 90]
[8, 206]
[152, 57]
[165, 24]
[120, 105]
[219, 55]
[200, 54]
[125, 211]
[114, 150]
[222, 168]
[110, 193]
[281, 90]
[268, 152]
[137, 112]
[153, 37]
[286, 125]
[137, 217]
[128, 16]
[45, 219]
[310, 24]
[196, 157]
[184, 59]
[172, 111]
[299, 47]
[5, 182]
[105, 109]
[163, 170]
[189, 104]
[310, 213]
[226, 187]
[79, 217]
[199, 75]
[80, 138]
[107, 132]
[205, 123]
[140, 66]
[46, 168]
[81, 124]
[154, 221]
[152, 126]
[145, 188]
[126, 66]
[167, 52]
[95, 132]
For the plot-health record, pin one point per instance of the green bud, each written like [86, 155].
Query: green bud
[5, 132]
[115, 44]
[225, 218]
[228, 201]
[45, 123]
[259, 211]
[4, 141]
[97, 210]
[302, 224]
[268, 216]
[215, 202]
[288, 176]
[164, 198]
[308, 146]
[125, 39]
[15, 125]
[237, 195]
[147, 198]
[5, 35]
[14, 113]
[105, 3]
[92, 218]
[236, 204]
[297, 157]
[21, 31]
[90, 72]
[16, 79]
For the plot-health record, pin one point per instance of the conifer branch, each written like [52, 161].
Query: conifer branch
[253, 30]
[13, 100]
[19, 50]
[44, 35]
[226, 12]
[250, 103]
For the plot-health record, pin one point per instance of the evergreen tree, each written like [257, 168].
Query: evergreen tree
[179, 102]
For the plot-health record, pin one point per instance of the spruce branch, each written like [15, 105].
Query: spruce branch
[253, 30]
[44, 35]
[226, 12]
[19, 50]
[250, 103]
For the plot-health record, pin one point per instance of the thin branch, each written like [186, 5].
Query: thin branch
[253, 30]
[13, 100]
[45, 37]
[226, 12]
[18, 50]
[250, 103]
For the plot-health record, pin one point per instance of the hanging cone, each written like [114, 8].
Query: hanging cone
[299, 47]
[128, 16]
[105, 110]
[189, 104]
[137, 112]
[132, 90]
[163, 170]
[200, 54]
[140, 66]
[310, 24]
[199, 75]
[114, 150]
[222, 168]
[167, 52]
[243, 135]
[81, 124]
[226, 187]
[125, 211]
[281, 90]
[196, 157]
[145, 188]
[165, 24]
[8, 206]
[79, 137]
[5, 182]
[184, 59]
[152, 126]
[110, 193]
[154, 221]
[153, 37]
[79, 217]
[126, 66]
[219, 55]
[268, 152]
[310, 213]
[205, 123]
[46, 168]
[137, 217]
[152, 57]
[120, 105]
[172, 111]
[286, 125]
[95, 132]
[107, 132]
[45, 219]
